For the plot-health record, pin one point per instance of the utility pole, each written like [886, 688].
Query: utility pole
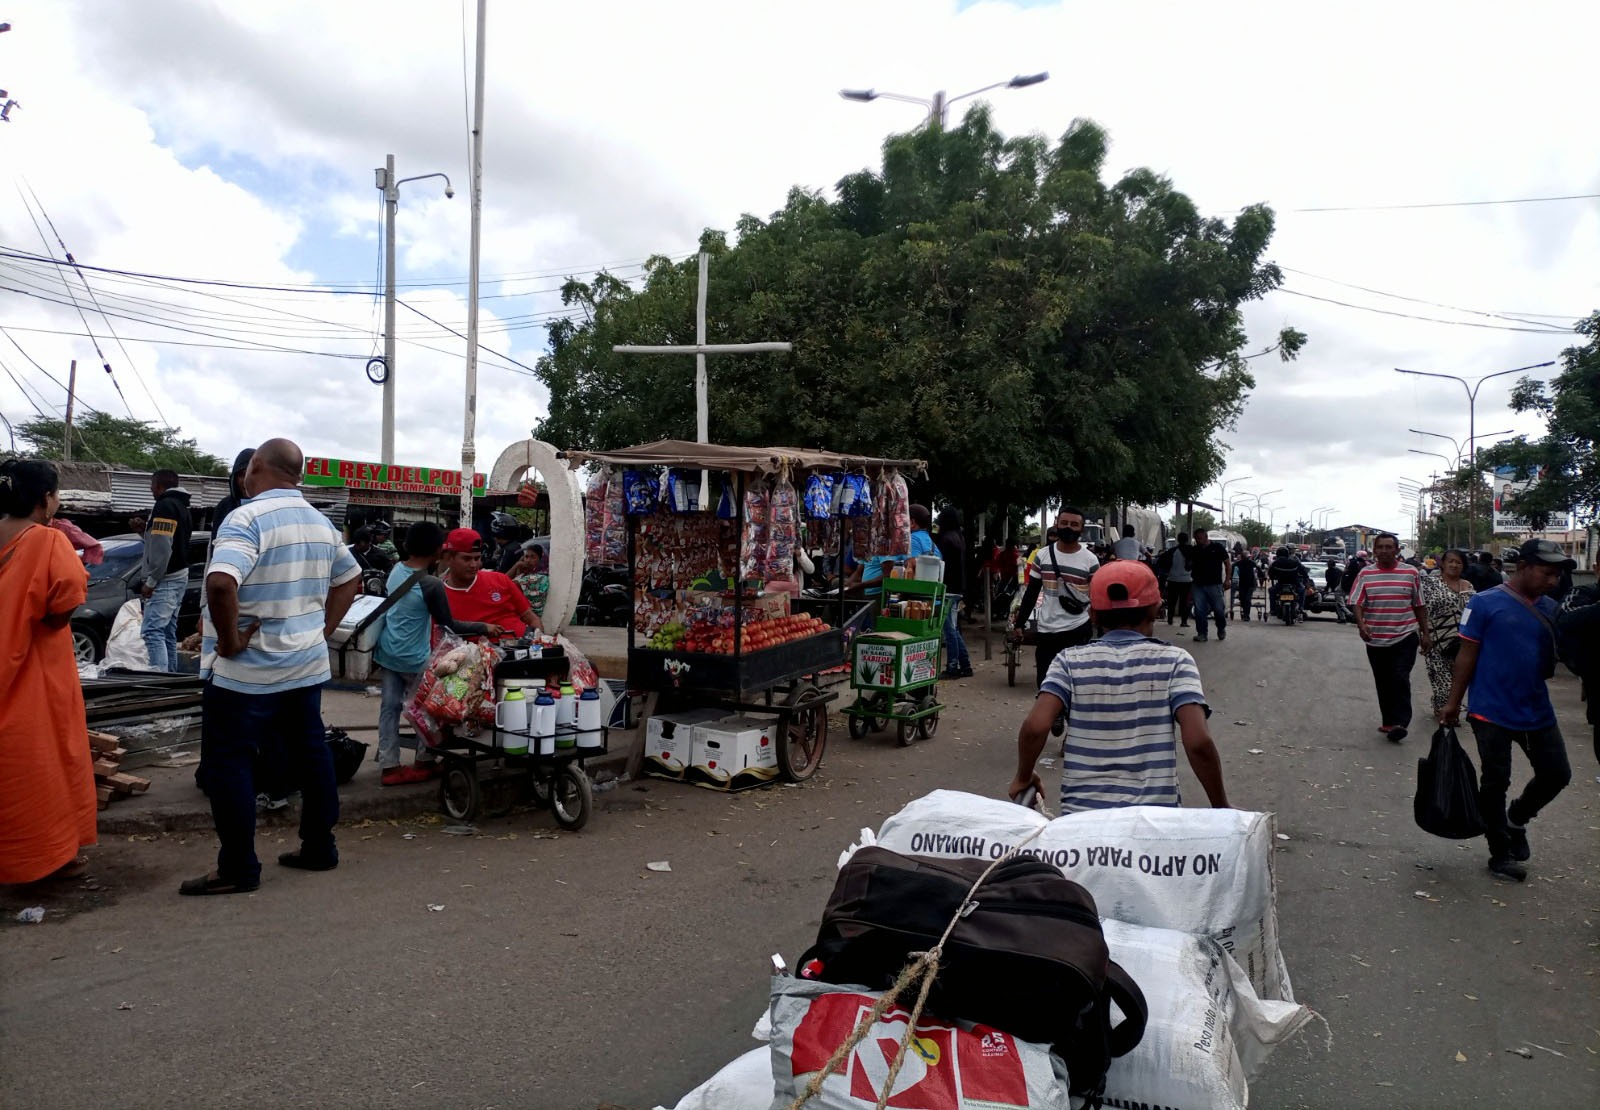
[391, 201]
[469, 450]
[66, 428]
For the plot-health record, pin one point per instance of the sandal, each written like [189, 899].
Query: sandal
[215, 884]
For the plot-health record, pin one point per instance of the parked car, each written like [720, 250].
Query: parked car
[115, 582]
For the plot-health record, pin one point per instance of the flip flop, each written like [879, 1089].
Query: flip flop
[212, 884]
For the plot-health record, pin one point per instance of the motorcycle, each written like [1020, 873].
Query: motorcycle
[605, 599]
[1287, 599]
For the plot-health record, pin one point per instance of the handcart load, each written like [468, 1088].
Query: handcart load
[895, 668]
[718, 623]
[511, 722]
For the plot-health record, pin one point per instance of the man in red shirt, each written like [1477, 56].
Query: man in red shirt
[1387, 602]
[476, 594]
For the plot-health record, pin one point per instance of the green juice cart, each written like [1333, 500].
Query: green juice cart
[895, 668]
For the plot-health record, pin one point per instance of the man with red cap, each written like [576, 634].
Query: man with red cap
[476, 594]
[1127, 698]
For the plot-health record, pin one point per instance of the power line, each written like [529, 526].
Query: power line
[1429, 319]
[86, 405]
[1514, 317]
[65, 284]
[87, 288]
[1446, 204]
[26, 396]
[459, 335]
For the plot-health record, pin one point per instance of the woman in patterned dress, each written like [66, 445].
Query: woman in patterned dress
[1445, 596]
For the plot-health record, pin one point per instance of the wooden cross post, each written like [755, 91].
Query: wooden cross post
[700, 350]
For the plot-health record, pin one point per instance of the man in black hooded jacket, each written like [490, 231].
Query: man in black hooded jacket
[164, 575]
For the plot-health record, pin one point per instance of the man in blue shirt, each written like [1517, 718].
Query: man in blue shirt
[1508, 651]
[279, 582]
[921, 539]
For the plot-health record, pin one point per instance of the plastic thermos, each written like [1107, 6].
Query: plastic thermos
[511, 722]
[566, 715]
[544, 724]
[589, 735]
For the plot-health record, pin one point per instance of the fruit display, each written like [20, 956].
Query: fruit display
[669, 636]
[717, 638]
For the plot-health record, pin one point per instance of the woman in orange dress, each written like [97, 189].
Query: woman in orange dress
[47, 797]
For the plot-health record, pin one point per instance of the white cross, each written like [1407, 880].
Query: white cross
[700, 349]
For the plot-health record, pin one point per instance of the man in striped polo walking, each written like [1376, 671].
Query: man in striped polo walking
[1128, 698]
[280, 581]
[1387, 602]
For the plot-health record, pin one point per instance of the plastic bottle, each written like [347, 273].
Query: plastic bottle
[511, 722]
[589, 735]
[566, 714]
[544, 724]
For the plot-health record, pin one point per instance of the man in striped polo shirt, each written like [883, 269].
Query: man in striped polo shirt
[1387, 602]
[1125, 697]
[280, 581]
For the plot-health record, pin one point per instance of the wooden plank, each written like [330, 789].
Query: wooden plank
[126, 783]
[102, 741]
[105, 768]
[103, 794]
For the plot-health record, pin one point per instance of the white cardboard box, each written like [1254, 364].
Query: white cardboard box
[736, 746]
[669, 739]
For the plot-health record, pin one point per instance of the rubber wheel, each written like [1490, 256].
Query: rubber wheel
[800, 752]
[460, 796]
[859, 727]
[87, 646]
[907, 733]
[928, 726]
[571, 797]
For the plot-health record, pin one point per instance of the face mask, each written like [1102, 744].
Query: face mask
[1068, 536]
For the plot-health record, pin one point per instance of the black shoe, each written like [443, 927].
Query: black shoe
[1504, 867]
[1199, 639]
[964, 672]
[1222, 633]
[1397, 733]
[1517, 842]
[302, 862]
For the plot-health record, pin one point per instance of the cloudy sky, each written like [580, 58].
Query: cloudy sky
[235, 142]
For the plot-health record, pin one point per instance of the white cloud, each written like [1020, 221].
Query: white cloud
[228, 140]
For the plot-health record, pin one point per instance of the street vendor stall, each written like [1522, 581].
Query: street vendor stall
[719, 631]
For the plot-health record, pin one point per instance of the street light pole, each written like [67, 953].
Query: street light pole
[391, 204]
[938, 105]
[1472, 433]
[469, 448]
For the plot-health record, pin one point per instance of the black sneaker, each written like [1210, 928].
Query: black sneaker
[1504, 867]
[1397, 733]
[1517, 841]
[1199, 639]
[1222, 633]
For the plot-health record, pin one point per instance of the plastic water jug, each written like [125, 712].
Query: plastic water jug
[566, 715]
[511, 723]
[589, 735]
[544, 725]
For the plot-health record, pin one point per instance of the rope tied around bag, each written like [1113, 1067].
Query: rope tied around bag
[921, 971]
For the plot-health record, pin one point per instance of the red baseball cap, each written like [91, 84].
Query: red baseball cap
[462, 540]
[1124, 584]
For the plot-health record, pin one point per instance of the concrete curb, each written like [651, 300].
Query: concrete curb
[360, 805]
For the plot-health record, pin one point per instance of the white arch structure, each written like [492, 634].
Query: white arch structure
[566, 521]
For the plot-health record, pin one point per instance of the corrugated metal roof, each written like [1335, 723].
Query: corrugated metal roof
[130, 493]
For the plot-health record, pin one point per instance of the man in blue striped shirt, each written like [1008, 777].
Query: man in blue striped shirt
[280, 580]
[1122, 695]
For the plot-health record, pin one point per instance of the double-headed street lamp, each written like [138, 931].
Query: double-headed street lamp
[1471, 389]
[391, 202]
[938, 105]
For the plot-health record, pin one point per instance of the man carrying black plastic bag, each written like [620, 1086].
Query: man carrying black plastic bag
[1447, 790]
[1508, 651]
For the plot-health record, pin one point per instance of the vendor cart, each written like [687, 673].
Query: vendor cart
[768, 653]
[895, 668]
[480, 777]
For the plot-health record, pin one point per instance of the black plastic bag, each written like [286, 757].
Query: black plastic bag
[1447, 790]
[347, 752]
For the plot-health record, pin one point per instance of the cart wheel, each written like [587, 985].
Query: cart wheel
[800, 753]
[859, 727]
[459, 793]
[907, 733]
[571, 797]
[928, 726]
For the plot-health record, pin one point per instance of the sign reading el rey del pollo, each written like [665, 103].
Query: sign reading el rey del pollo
[389, 479]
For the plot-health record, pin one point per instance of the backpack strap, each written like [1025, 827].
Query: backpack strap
[1121, 989]
[388, 603]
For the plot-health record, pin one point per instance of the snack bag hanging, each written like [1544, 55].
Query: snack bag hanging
[594, 519]
[682, 491]
[616, 534]
[881, 539]
[639, 491]
[725, 506]
[753, 544]
[896, 513]
[783, 531]
[819, 496]
[857, 495]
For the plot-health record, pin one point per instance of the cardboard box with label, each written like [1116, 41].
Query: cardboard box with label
[735, 752]
[669, 739]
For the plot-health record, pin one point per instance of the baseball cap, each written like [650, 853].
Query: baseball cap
[462, 540]
[1125, 584]
[1545, 551]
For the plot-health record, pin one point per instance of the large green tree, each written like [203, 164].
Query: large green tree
[114, 441]
[989, 304]
[1565, 455]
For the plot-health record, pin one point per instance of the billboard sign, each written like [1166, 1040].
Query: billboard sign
[378, 478]
[1511, 482]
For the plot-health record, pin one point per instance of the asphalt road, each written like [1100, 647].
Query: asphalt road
[559, 972]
